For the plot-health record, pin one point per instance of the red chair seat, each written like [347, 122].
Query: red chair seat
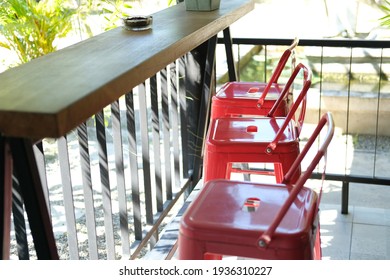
[257, 139]
[218, 222]
[240, 99]
[257, 220]
[232, 141]
[253, 98]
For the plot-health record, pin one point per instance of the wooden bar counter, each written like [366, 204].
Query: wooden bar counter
[51, 95]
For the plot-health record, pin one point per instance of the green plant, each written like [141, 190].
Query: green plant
[114, 10]
[84, 9]
[385, 7]
[30, 28]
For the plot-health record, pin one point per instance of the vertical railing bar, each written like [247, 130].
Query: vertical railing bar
[348, 103]
[345, 185]
[156, 142]
[175, 124]
[244, 166]
[227, 39]
[205, 106]
[265, 62]
[85, 163]
[145, 153]
[63, 158]
[6, 170]
[344, 197]
[320, 93]
[132, 139]
[19, 221]
[183, 117]
[238, 71]
[166, 133]
[39, 155]
[377, 112]
[120, 176]
[31, 189]
[321, 83]
[153, 230]
[105, 184]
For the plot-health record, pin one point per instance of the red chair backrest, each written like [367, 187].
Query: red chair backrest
[278, 71]
[327, 118]
[301, 99]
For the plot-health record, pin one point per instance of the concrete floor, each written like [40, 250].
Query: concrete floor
[363, 234]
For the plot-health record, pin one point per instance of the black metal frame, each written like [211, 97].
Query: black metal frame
[355, 43]
[26, 171]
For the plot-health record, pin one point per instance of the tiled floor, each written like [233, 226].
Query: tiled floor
[362, 234]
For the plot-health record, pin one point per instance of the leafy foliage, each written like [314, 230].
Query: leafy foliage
[171, 2]
[29, 28]
[113, 10]
[385, 7]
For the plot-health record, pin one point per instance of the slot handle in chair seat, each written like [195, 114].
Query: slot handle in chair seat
[327, 118]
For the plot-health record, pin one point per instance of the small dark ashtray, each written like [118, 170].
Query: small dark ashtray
[137, 22]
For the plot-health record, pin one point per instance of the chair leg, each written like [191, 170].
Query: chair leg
[209, 256]
[317, 254]
[279, 174]
[215, 167]
[190, 249]
[285, 166]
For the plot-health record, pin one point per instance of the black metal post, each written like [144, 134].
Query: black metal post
[227, 39]
[194, 72]
[31, 189]
[344, 197]
[5, 198]
[19, 222]
[204, 108]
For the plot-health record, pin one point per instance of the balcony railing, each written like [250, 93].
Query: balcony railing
[350, 80]
[112, 183]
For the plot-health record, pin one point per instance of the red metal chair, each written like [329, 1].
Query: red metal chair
[260, 139]
[252, 98]
[254, 220]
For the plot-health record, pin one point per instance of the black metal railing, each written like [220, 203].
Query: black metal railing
[113, 182]
[355, 74]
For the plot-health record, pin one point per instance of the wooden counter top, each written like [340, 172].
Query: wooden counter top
[51, 95]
